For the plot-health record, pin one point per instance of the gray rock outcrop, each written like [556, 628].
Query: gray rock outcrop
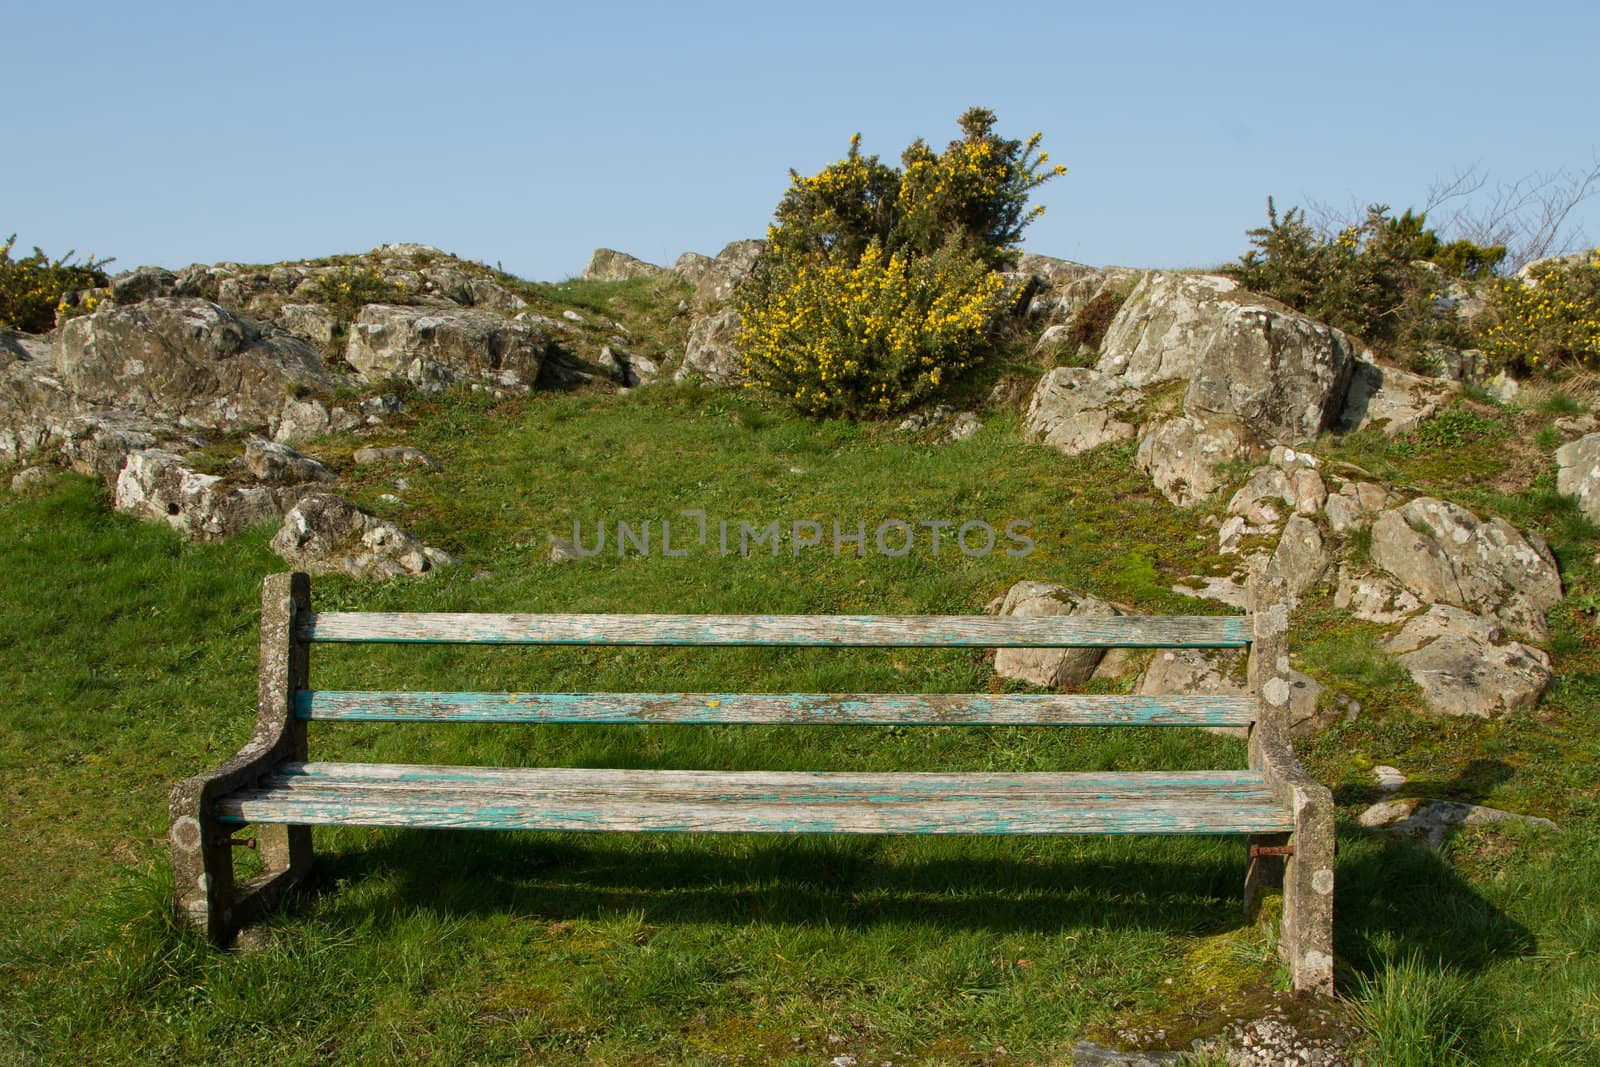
[326, 534]
[436, 347]
[187, 360]
[1391, 399]
[1447, 555]
[159, 485]
[1075, 409]
[711, 354]
[609, 265]
[1578, 474]
[1465, 665]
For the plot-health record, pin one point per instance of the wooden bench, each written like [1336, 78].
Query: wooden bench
[271, 784]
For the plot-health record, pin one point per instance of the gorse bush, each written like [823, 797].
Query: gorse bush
[872, 336]
[1552, 320]
[32, 287]
[1377, 279]
[879, 284]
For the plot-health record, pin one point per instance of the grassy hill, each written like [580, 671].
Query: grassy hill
[128, 659]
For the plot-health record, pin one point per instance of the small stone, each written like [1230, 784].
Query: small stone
[1388, 778]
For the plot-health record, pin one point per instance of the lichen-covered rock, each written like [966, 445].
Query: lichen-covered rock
[34, 403]
[1465, 665]
[314, 322]
[1578, 474]
[1161, 330]
[99, 444]
[1075, 409]
[156, 484]
[142, 283]
[1389, 398]
[609, 265]
[715, 279]
[1221, 672]
[305, 420]
[1301, 558]
[1447, 555]
[1281, 373]
[1049, 667]
[1353, 506]
[1374, 597]
[326, 534]
[1182, 455]
[186, 360]
[272, 463]
[435, 347]
[1431, 822]
[710, 353]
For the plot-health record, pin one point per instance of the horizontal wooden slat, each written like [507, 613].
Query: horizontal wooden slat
[885, 631]
[1163, 802]
[779, 708]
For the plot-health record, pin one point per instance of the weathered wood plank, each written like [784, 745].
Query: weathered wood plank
[880, 631]
[779, 708]
[1233, 802]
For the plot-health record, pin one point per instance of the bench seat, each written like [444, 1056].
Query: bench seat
[560, 798]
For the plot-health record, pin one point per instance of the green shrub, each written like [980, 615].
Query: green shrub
[31, 288]
[1553, 320]
[1371, 279]
[878, 285]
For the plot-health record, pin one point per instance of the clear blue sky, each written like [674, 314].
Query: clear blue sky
[531, 134]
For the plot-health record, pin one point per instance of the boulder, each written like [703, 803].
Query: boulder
[34, 403]
[715, 279]
[1059, 286]
[1390, 399]
[1075, 409]
[1049, 667]
[710, 353]
[1447, 555]
[272, 463]
[99, 444]
[305, 420]
[1465, 665]
[141, 284]
[609, 265]
[1281, 373]
[1353, 506]
[1578, 474]
[186, 360]
[315, 322]
[1301, 558]
[1162, 328]
[1182, 455]
[327, 534]
[156, 484]
[1374, 597]
[1431, 822]
[436, 347]
[30, 478]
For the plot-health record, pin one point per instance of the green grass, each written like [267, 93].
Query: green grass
[128, 658]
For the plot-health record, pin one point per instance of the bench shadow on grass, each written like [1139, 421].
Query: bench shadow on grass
[1391, 899]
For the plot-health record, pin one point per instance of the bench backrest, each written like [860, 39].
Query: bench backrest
[789, 631]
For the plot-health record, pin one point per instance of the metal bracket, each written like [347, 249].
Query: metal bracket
[242, 842]
[1257, 851]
